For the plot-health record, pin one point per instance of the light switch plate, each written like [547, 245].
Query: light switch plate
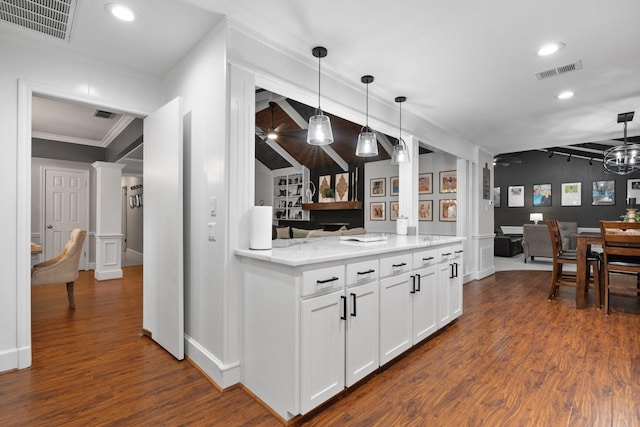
[213, 205]
[212, 231]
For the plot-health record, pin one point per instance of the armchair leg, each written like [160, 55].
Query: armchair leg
[72, 302]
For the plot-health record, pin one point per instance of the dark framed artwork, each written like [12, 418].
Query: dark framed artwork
[571, 194]
[448, 210]
[448, 182]
[603, 193]
[377, 188]
[515, 196]
[377, 211]
[425, 183]
[541, 195]
[425, 210]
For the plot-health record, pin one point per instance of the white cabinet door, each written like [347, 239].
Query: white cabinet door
[443, 293]
[322, 349]
[455, 307]
[362, 332]
[395, 316]
[424, 291]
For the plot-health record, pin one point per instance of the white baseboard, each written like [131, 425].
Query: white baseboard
[223, 375]
[108, 275]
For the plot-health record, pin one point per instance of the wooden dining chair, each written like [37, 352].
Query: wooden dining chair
[621, 254]
[559, 277]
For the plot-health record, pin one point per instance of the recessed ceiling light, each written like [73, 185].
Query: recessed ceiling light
[550, 49]
[565, 95]
[121, 12]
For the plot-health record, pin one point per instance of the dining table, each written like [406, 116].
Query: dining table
[584, 240]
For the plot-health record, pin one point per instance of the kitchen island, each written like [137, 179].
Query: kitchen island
[320, 314]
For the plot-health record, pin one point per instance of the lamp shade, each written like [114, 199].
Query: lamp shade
[367, 143]
[400, 153]
[320, 132]
[535, 217]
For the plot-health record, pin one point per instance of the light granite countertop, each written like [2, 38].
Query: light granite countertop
[300, 252]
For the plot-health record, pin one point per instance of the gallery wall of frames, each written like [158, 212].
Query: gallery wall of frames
[559, 188]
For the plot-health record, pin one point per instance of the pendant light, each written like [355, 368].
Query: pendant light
[271, 132]
[367, 141]
[400, 152]
[320, 132]
[623, 159]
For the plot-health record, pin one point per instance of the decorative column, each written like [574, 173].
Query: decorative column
[108, 220]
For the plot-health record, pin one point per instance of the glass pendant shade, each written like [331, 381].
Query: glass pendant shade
[320, 132]
[400, 153]
[367, 143]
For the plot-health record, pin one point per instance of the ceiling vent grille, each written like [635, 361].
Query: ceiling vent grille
[559, 70]
[50, 17]
[103, 114]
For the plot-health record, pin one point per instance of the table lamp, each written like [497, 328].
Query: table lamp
[535, 217]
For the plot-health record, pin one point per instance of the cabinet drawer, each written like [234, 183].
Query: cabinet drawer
[426, 258]
[395, 265]
[457, 251]
[362, 272]
[446, 253]
[322, 280]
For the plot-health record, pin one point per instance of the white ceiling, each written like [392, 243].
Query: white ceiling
[468, 67]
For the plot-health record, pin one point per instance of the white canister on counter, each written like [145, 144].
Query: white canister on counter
[401, 225]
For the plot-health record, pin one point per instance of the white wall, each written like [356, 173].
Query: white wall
[201, 80]
[43, 69]
[264, 185]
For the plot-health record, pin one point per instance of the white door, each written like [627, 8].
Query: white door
[362, 349]
[395, 316]
[65, 208]
[424, 303]
[163, 286]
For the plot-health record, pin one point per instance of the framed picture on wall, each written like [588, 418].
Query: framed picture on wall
[377, 188]
[425, 183]
[496, 197]
[603, 193]
[541, 195]
[448, 182]
[425, 210]
[571, 194]
[342, 187]
[324, 182]
[376, 211]
[633, 189]
[394, 183]
[515, 196]
[448, 210]
[394, 210]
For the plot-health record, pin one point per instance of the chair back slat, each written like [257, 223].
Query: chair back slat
[620, 238]
[556, 238]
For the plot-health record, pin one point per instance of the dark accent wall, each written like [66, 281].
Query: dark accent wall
[46, 149]
[537, 168]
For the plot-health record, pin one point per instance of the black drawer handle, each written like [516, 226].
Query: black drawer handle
[333, 279]
[427, 259]
[418, 288]
[447, 254]
[366, 272]
[402, 264]
[344, 307]
[354, 299]
[413, 284]
[460, 251]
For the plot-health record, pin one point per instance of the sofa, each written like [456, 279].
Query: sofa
[506, 245]
[287, 232]
[537, 242]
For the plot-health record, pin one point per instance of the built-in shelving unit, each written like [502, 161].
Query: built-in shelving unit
[289, 194]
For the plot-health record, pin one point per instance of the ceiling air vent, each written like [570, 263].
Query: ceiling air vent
[103, 114]
[50, 17]
[559, 70]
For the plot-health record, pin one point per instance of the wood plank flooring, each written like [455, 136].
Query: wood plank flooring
[512, 359]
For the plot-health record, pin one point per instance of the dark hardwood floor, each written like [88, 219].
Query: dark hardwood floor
[512, 359]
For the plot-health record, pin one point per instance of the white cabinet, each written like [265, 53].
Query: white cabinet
[361, 356]
[450, 272]
[423, 303]
[289, 194]
[322, 349]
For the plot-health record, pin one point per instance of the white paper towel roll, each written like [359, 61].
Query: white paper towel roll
[261, 219]
[401, 225]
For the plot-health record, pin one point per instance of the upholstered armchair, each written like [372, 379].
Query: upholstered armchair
[62, 268]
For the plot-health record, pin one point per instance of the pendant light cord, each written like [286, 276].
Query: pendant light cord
[319, 109]
[400, 137]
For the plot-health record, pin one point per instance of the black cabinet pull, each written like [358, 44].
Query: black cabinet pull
[447, 254]
[366, 272]
[353, 297]
[344, 307]
[460, 251]
[402, 264]
[413, 284]
[333, 279]
[418, 288]
[456, 264]
[451, 276]
[427, 259]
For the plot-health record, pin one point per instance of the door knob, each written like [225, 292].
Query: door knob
[49, 226]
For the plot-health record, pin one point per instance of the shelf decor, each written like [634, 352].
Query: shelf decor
[324, 182]
[342, 187]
